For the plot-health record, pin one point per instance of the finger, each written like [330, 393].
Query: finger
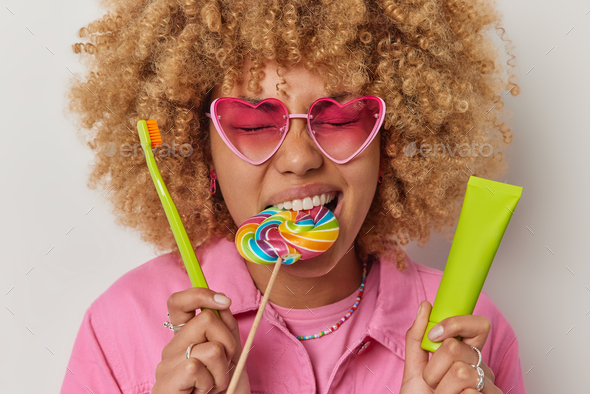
[226, 316]
[449, 352]
[463, 378]
[232, 325]
[212, 355]
[416, 357]
[182, 305]
[459, 377]
[184, 377]
[205, 327]
[490, 388]
[495, 390]
[473, 329]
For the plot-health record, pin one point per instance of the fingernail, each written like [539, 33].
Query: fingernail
[435, 333]
[419, 308]
[221, 299]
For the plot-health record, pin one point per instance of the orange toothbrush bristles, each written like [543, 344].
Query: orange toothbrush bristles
[155, 137]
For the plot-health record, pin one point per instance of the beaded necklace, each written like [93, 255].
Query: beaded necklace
[348, 314]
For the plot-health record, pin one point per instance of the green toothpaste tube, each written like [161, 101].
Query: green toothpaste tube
[487, 209]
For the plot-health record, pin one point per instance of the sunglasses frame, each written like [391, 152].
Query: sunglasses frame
[215, 119]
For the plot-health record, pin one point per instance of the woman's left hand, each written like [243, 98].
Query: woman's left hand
[450, 369]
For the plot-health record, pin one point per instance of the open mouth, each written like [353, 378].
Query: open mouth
[333, 204]
[310, 202]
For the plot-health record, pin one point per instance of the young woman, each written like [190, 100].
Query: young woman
[438, 77]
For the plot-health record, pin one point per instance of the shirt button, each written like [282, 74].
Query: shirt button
[363, 347]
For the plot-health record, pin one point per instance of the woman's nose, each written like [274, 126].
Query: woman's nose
[298, 153]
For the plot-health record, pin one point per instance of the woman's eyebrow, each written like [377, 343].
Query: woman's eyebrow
[256, 99]
[339, 96]
[252, 100]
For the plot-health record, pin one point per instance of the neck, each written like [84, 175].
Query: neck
[300, 292]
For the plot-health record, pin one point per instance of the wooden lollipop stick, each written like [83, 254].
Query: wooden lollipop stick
[247, 346]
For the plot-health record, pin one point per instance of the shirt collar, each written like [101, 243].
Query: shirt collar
[400, 292]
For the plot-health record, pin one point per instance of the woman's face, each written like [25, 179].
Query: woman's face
[298, 169]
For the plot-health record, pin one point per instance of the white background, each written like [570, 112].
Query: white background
[61, 249]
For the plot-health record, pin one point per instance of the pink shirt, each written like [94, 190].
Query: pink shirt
[324, 352]
[121, 337]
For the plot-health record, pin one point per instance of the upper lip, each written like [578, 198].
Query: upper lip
[300, 192]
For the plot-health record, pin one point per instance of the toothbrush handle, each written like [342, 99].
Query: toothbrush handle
[186, 250]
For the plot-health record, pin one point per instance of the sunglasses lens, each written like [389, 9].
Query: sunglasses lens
[342, 130]
[255, 131]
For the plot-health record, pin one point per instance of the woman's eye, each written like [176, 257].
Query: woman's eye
[253, 129]
[336, 124]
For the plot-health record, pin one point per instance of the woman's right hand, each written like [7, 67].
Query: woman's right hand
[216, 351]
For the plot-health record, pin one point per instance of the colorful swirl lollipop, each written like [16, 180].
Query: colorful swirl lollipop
[291, 235]
[276, 236]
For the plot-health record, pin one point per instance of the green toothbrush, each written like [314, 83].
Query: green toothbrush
[149, 134]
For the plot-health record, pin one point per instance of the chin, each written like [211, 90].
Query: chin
[311, 268]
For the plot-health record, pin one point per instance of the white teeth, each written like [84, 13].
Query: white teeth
[297, 205]
[307, 202]
[316, 201]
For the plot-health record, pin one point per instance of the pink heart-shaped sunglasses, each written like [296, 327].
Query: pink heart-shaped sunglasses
[255, 132]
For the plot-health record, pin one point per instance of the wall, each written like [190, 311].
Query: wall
[62, 249]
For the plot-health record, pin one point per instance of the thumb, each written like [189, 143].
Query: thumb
[416, 357]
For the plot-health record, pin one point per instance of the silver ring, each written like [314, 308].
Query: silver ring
[479, 356]
[480, 372]
[188, 350]
[171, 326]
[479, 386]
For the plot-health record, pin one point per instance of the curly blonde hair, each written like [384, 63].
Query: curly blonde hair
[431, 62]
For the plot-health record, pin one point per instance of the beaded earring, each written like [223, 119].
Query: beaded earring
[213, 187]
